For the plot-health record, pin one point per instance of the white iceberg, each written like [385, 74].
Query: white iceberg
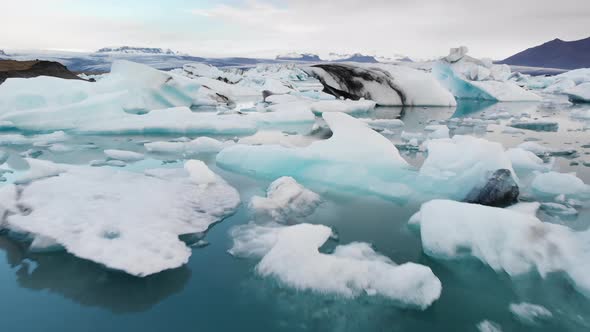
[291, 255]
[198, 145]
[285, 200]
[375, 162]
[509, 240]
[344, 106]
[123, 155]
[387, 85]
[554, 183]
[123, 220]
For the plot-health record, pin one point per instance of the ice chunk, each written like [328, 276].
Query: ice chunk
[199, 173]
[488, 326]
[456, 54]
[387, 85]
[196, 146]
[116, 218]
[123, 155]
[374, 160]
[553, 183]
[437, 131]
[535, 125]
[285, 199]
[542, 151]
[526, 160]
[291, 255]
[507, 240]
[344, 106]
[270, 137]
[455, 166]
[530, 314]
[484, 90]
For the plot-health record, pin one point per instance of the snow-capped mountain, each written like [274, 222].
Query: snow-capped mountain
[356, 57]
[3, 54]
[137, 50]
[298, 57]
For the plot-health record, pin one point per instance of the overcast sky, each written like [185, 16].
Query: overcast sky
[419, 28]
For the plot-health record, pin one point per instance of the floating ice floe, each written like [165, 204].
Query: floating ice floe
[542, 151]
[275, 137]
[524, 160]
[488, 326]
[509, 240]
[387, 85]
[553, 183]
[285, 199]
[134, 99]
[469, 78]
[455, 166]
[123, 155]
[374, 160]
[291, 255]
[196, 146]
[114, 217]
[344, 106]
[530, 314]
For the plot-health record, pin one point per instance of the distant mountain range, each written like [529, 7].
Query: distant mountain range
[554, 54]
[137, 50]
[298, 57]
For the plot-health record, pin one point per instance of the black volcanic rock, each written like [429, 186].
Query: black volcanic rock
[500, 190]
[554, 54]
[28, 69]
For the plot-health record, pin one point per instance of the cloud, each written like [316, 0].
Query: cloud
[422, 28]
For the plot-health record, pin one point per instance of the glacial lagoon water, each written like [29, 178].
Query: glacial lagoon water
[217, 292]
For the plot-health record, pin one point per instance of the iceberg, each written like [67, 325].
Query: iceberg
[375, 162]
[455, 166]
[462, 88]
[114, 217]
[198, 145]
[123, 155]
[387, 85]
[554, 183]
[512, 240]
[344, 106]
[290, 254]
[285, 200]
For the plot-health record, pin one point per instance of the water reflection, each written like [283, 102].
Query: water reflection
[90, 284]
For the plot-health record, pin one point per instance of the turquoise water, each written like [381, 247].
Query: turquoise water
[217, 292]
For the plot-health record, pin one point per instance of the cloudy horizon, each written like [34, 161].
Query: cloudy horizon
[265, 28]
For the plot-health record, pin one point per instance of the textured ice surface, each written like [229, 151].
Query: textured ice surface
[196, 146]
[526, 160]
[285, 200]
[530, 314]
[127, 156]
[291, 255]
[123, 220]
[385, 84]
[484, 90]
[554, 183]
[344, 106]
[580, 93]
[509, 240]
[459, 164]
[374, 160]
[275, 137]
